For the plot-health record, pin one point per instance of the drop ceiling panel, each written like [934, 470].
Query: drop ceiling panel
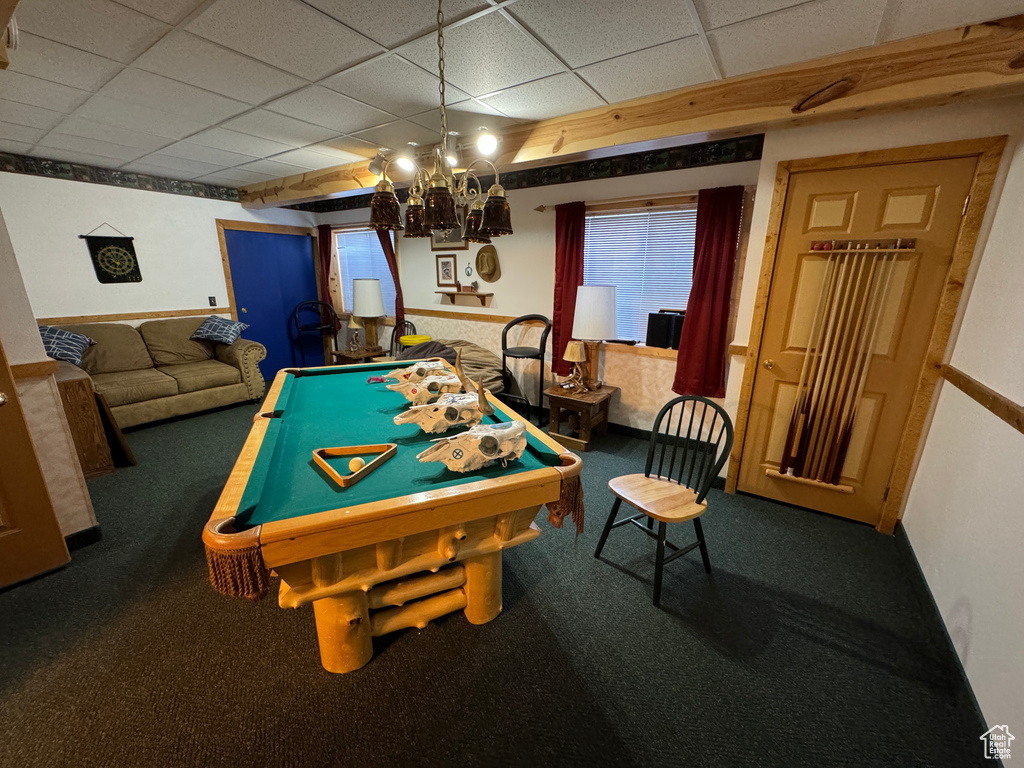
[398, 134]
[905, 18]
[171, 11]
[392, 22]
[585, 31]
[232, 177]
[653, 70]
[15, 86]
[156, 92]
[188, 151]
[137, 118]
[393, 84]
[274, 168]
[98, 26]
[61, 63]
[91, 146]
[280, 128]
[172, 163]
[826, 27]
[285, 33]
[336, 155]
[486, 55]
[154, 169]
[26, 114]
[545, 98]
[715, 13]
[314, 161]
[66, 156]
[17, 147]
[467, 118]
[90, 129]
[23, 133]
[347, 144]
[322, 106]
[191, 59]
[233, 141]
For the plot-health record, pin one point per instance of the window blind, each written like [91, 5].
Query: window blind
[360, 256]
[647, 256]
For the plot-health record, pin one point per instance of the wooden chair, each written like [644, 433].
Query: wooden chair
[681, 466]
[404, 328]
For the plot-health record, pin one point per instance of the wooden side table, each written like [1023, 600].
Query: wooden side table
[344, 357]
[83, 417]
[591, 408]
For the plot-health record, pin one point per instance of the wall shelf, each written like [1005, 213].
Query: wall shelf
[452, 294]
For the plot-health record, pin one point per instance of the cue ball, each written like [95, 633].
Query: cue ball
[356, 464]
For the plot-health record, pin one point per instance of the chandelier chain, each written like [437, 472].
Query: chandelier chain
[440, 72]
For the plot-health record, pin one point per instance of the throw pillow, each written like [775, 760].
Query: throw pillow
[64, 345]
[219, 329]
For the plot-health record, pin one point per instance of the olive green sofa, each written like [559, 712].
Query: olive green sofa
[156, 371]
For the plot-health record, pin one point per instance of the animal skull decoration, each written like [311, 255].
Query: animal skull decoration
[448, 411]
[417, 372]
[479, 447]
[428, 389]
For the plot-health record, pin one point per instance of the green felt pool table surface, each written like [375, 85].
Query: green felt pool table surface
[333, 407]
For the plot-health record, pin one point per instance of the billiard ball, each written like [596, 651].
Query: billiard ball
[356, 464]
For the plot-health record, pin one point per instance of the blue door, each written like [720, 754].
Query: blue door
[272, 273]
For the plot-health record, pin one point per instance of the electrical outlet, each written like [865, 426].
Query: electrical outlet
[213, 301]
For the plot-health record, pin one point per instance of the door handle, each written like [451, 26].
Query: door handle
[3, 399]
[768, 364]
[244, 310]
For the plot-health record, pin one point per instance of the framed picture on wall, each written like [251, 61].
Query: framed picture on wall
[446, 271]
[453, 241]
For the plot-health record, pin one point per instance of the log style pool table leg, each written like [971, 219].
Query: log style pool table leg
[343, 628]
[483, 587]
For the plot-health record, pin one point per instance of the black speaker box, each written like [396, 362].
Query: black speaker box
[663, 329]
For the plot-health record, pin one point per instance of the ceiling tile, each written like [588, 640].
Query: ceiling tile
[393, 84]
[314, 161]
[26, 114]
[232, 141]
[70, 156]
[398, 134]
[16, 147]
[23, 133]
[347, 145]
[132, 116]
[61, 63]
[188, 151]
[485, 55]
[270, 125]
[905, 18]
[91, 146]
[156, 92]
[274, 168]
[191, 59]
[715, 13]
[284, 33]
[97, 26]
[153, 169]
[337, 156]
[604, 32]
[232, 177]
[90, 129]
[826, 27]
[467, 118]
[172, 163]
[171, 11]
[322, 106]
[653, 70]
[15, 86]
[541, 99]
[392, 22]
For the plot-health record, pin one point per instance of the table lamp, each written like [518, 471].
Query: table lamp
[593, 322]
[575, 353]
[368, 304]
[354, 326]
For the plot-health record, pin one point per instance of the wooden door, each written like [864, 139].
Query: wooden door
[30, 539]
[847, 330]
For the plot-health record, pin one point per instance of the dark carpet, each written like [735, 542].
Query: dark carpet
[808, 645]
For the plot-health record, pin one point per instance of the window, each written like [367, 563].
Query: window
[647, 256]
[360, 256]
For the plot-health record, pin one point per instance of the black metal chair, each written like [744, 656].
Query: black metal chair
[326, 322]
[404, 328]
[524, 353]
[676, 492]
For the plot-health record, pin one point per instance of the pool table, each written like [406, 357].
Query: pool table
[408, 543]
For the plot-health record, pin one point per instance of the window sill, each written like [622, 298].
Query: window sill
[640, 349]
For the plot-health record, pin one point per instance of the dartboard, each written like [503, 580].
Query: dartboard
[115, 260]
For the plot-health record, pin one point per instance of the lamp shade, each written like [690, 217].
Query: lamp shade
[575, 352]
[367, 299]
[594, 318]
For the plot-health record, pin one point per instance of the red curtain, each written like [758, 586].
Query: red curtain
[570, 225]
[700, 367]
[388, 247]
[324, 236]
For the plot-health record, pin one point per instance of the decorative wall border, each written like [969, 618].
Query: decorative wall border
[720, 152]
[56, 169]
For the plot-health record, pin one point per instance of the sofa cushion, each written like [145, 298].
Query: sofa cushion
[169, 343]
[220, 329]
[64, 345]
[118, 347]
[205, 374]
[127, 387]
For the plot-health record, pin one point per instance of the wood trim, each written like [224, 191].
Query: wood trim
[738, 350]
[640, 350]
[33, 370]
[132, 316]
[480, 318]
[970, 62]
[1003, 407]
[643, 203]
[276, 229]
[741, 259]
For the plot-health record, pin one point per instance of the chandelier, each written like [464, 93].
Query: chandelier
[435, 198]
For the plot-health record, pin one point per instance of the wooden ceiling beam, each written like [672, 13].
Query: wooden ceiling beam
[977, 61]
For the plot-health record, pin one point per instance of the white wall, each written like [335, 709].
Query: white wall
[175, 241]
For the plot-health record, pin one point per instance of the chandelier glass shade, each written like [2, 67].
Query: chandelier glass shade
[415, 224]
[385, 213]
[475, 216]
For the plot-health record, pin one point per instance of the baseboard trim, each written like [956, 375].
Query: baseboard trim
[83, 538]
